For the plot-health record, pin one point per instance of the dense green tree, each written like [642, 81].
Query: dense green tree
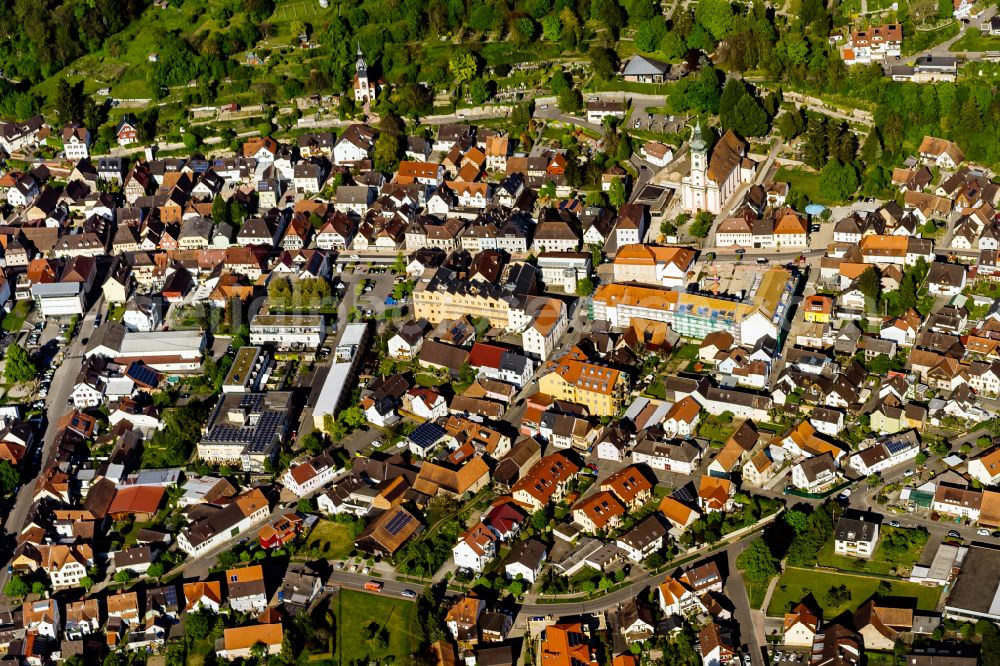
[716, 16]
[462, 67]
[479, 91]
[18, 365]
[790, 123]
[551, 28]
[570, 100]
[608, 13]
[584, 287]
[650, 33]
[523, 30]
[10, 478]
[672, 45]
[69, 101]
[758, 564]
[838, 180]
[701, 225]
[16, 587]
[604, 62]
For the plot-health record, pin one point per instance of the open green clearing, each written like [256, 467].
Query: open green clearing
[805, 181]
[356, 611]
[887, 559]
[15, 318]
[332, 539]
[976, 41]
[795, 584]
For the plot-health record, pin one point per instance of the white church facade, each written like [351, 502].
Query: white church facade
[713, 180]
[364, 90]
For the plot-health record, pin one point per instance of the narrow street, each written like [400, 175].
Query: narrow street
[56, 409]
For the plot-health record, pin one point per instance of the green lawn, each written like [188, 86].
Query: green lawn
[333, 539]
[795, 584]
[925, 39]
[428, 380]
[974, 40]
[356, 611]
[805, 181]
[756, 594]
[716, 428]
[15, 318]
[883, 561]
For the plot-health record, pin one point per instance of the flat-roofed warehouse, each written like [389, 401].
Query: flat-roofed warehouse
[976, 593]
[164, 351]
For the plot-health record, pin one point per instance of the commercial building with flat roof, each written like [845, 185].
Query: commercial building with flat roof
[759, 312]
[249, 371]
[164, 351]
[246, 429]
[976, 593]
[295, 332]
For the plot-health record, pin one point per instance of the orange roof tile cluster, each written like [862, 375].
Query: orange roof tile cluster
[566, 645]
[546, 476]
[640, 254]
[628, 484]
[684, 411]
[242, 638]
[583, 374]
[676, 512]
[601, 508]
[714, 491]
[137, 500]
[198, 590]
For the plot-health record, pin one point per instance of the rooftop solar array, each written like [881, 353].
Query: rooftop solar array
[896, 445]
[398, 522]
[427, 434]
[143, 374]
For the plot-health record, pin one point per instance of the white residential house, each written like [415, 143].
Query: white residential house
[855, 537]
[526, 560]
[142, 314]
[986, 467]
[475, 549]
[815, 473]
[76, 143]
[310, 476]
[888, 452]
[677, 599]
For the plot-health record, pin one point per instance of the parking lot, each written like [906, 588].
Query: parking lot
[789, 658]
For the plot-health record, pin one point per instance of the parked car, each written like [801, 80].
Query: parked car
[954, 534]
[982, 531]
[409, 594]
[893, 523]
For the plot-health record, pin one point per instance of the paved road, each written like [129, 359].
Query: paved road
[944, 48]
[751, 630]
[56, 409]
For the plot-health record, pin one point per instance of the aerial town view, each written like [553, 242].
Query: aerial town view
[500, 332]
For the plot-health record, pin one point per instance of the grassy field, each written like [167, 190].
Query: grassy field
[15, 318]
[882, 562]
[333, 539]
[356, 611]
[973, 40]
[795, 584]
[805, 181]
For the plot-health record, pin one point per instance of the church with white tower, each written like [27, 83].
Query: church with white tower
[712, 180]
[364, 90]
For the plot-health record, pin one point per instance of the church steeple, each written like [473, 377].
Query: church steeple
[697, 143]
[361, 65]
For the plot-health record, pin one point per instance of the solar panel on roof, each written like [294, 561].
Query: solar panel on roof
[895, 446]
[397, 523]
